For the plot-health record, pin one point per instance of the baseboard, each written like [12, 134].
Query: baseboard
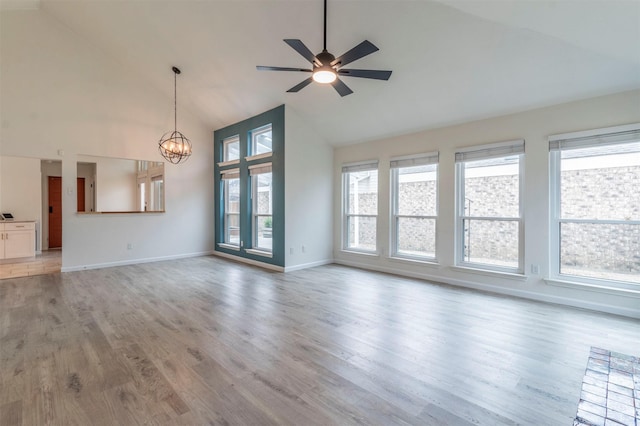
[600, 307]
[249, 261]
[133, 261]
[307, 265]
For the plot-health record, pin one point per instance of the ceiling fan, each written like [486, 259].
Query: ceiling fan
[327, 68]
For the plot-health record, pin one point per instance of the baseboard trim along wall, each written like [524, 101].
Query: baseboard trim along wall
[132, 261]
[249, 261]
[308, 265]
[600, 307]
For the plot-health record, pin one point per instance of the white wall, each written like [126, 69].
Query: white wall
[308, 194]
[533, 126]
[21, 190]
[20, 187]
[62, 97]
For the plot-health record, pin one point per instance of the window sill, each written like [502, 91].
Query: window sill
[490, 273]
[259, 252]
[599, 288]
[417, 261]
[362, 253]
[228, 163]
[228, 246]
[259, 156]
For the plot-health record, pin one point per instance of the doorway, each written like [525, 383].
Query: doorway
[55, 212]
[81, 197]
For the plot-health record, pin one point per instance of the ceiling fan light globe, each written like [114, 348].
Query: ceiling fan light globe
[323, 75]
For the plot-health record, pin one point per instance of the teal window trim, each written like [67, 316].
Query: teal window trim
[244, 129]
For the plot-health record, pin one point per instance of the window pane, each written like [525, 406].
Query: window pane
[363, 192]
[264, 232]
[142, 203]
[232, 199]
[605, 251]
[416, 236]
[491, 187]
[231, 148]
[361, 233]
[232, 211]
[262, 205]
[417, 190]
[261, 140]
[598, 183]
[491, 242]
[232, 229]
[263, 193]
[157, 195]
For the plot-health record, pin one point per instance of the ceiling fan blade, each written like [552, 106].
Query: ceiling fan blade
[375, 74]
[265, 68]
[300, 47]
[301, 85]
[363, 49]
[341, 88]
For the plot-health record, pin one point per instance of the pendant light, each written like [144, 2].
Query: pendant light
[174, 146]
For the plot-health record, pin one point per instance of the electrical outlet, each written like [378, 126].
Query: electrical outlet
[290, 250]
[129, 246]
[535, 269]
[304, 249]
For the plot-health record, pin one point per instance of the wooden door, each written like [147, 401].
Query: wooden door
[55, 212]
[80, 189]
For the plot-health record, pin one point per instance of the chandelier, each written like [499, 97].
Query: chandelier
[174, 146]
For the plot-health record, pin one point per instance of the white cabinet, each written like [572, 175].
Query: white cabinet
[17, 239]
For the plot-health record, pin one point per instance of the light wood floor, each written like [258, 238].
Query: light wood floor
[48, 262]
[209, 341]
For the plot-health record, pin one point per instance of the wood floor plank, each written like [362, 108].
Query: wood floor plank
[11, 413]
[209, 341]
[150, 382]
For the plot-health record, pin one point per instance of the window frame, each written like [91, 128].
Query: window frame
[347, 169]
[254, 199]
[278, 257]
[411, 161]
[225, 217]
[485, 152]
[572, 140]
[225, 150]
[255, 133]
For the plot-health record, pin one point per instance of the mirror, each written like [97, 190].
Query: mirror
[117, 185]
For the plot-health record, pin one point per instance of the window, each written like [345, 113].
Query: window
[262, 195]
[231, 221]
[360, 213]
[414, 206]
[250, 197]
[157, 192]
[595, 206]
[261, 142]
[150, 186]
[142, 194]
[231, 148]
[489, 226]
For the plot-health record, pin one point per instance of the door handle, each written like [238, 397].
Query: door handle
[50, 209]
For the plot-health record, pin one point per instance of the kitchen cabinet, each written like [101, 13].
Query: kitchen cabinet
[17, 239]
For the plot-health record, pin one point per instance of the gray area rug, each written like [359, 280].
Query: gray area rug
[610, 390]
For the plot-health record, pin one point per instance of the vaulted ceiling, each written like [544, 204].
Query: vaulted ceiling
[452, 60]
